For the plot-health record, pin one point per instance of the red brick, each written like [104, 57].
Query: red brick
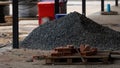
[87, 48]
[64, 50]
[70, 46]
[86, 53]
[93, 49]
[56, 54]
[82, 47]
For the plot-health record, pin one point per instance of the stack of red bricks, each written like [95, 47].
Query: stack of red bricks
[70, 50]
[64, 51]
[86, 50]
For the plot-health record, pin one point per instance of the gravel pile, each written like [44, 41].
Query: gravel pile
[73, 29]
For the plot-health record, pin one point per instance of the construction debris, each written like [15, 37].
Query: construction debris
[84, 50]
[64, 51]
[72, 29]
[83, 55]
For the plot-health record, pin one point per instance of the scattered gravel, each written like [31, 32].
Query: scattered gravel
[73, 29]
[2, 35]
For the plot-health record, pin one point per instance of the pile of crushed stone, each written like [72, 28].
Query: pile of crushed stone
[72, 29]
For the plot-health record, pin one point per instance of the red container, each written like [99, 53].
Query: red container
[45, 10]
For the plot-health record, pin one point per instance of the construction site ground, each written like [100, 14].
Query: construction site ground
[22, 58]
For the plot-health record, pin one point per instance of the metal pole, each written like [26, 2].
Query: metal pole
[56, 6]
[15, 24]
[102, 5]
[84, 7]
[2, 15]
[116, 2]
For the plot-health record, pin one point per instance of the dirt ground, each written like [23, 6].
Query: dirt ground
[21, 58]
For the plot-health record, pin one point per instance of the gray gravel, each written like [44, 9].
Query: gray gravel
[74, 29]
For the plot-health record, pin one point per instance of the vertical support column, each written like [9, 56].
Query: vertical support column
[2, 19]
[15, 24]
[102, 5]
[84, 7]
[116, 2]
[56, 6]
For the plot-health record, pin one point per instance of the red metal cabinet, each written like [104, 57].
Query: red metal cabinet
[45, 9]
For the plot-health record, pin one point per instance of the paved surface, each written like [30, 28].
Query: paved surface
[93, 11]
[112, 21]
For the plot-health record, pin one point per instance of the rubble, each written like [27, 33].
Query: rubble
[87, 50]
[64, 51]
[84, 50]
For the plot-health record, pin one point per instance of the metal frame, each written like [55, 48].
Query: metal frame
[56, 6]
[84, 7]
[2, 19]
[15, 25]
[116, 2]
[102, 5]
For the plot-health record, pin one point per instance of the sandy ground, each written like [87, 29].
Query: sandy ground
[21, 58]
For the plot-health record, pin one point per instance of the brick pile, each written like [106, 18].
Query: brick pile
[64, 51]
[70, 50]
[87, 50]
